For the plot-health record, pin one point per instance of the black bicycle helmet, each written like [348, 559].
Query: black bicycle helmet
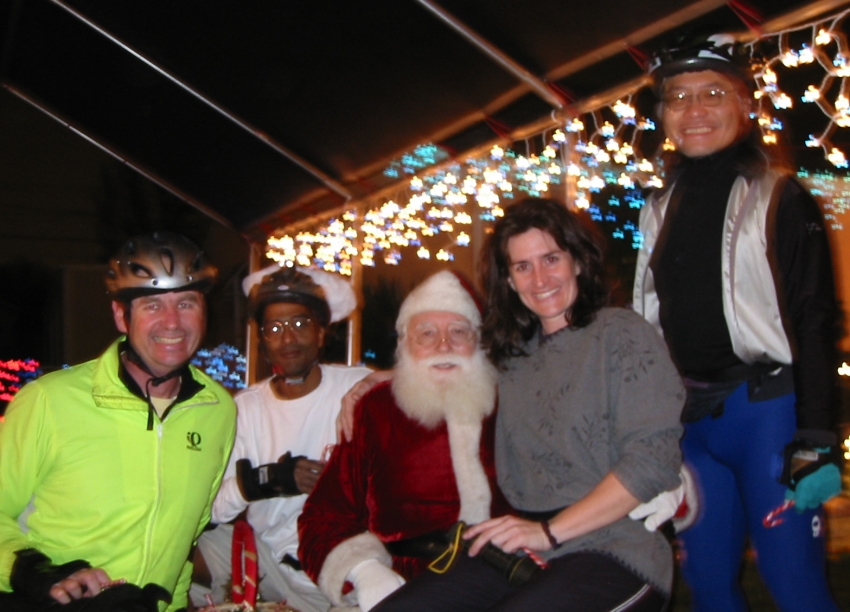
[718, 52]
[289, 285]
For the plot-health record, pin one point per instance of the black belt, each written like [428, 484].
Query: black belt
[707, 393]
[736, 373]
[428, 546]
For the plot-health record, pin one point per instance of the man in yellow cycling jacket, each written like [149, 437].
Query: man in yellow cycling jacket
[108, 469]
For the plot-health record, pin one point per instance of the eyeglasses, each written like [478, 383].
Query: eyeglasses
[298, 325]
[458, 335]
[707, 97]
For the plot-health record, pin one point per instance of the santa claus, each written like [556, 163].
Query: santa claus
[420, 460]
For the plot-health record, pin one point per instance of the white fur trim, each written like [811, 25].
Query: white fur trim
[441, 292]
[343, 558]
[472, 484]
[255, 278]
[339, 295]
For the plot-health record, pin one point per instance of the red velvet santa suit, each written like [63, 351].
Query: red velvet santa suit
[396, 480]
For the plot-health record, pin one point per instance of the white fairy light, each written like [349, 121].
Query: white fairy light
[624, 110]
[492, 177]
[655, 182]
[576, 125]
[790, 59]
[811, 94]
[646, 166]
[836, 158]
[769, 76]
[625, 181]
[470, 185]
[783, 101]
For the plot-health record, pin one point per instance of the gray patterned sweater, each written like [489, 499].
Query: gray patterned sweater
[583, 403]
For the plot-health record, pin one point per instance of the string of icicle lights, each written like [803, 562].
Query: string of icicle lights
[592, 151]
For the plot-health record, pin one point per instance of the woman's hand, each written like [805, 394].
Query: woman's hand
[606, 503]
[510, 533]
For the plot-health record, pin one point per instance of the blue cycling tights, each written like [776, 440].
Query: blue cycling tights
[736, 459]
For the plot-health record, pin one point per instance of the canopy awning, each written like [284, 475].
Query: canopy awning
[262, 113]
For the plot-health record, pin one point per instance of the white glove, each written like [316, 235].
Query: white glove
[373, 581]
[689, 509]
[666, 505]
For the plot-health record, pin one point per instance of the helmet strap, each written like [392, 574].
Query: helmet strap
[293, 380]
[155, 381]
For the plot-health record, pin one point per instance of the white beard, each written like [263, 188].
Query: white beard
[462, 397]
[463, 394]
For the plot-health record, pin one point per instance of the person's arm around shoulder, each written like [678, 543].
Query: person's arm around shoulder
[345, 419]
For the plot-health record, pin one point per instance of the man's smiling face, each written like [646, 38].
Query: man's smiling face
[164, 329]
[698, 129]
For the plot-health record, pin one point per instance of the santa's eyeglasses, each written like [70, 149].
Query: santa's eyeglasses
[458, 335]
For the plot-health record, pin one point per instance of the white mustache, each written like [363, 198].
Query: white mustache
[443, 360]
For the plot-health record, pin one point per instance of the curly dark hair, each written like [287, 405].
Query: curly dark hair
[508, 323]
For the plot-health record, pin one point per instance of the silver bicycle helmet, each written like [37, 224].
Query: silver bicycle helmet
[158, 263]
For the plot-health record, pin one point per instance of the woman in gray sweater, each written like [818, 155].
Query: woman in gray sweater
[589, 406]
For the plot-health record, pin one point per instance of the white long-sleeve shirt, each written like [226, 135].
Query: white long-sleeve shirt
[268, 427]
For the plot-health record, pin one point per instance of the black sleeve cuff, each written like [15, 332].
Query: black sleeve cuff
[817, 437]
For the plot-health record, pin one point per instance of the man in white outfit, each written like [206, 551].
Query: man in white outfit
[285, 426]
